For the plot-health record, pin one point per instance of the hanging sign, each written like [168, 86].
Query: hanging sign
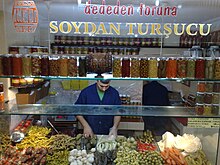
[25, 16]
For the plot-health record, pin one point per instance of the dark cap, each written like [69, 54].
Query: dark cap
[105, 81]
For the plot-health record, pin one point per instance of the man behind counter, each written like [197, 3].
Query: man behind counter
[100, 93]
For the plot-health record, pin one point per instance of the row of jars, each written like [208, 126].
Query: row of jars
[207, 109]
[28, 50]
[86, 40]
[88, 50]
[208, 87]
[166, 67]
[36, 65]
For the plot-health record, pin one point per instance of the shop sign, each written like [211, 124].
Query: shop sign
[203, 123]
[140, 29]
[111, 28]
[25, 16]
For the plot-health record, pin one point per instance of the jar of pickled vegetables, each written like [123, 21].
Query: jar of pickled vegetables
[215, 109]
[26, 65]
[171, 68]
[152, 67]
[45, 65]
[209, 68]
[191, 65]
[72, 66]
[54, 66]
[63, 66]
[82, 66]
[181, 67]
[125, 70]
[217, 68]
[209, 87]
[199, 109]
[208, 98]
[200, 68]
[216, 98]
[17, 64]
[216, 87]
[135, 67]
[201, 87]
[207, 109]
[162, 67]
[200, 98]
[143, 67]
[36, 65]
[7, 64]
[117, 67]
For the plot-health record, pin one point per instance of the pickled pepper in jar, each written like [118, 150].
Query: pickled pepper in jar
[207, 110]
[216, 87]
[117, 67]
[171, 68]
[200, 68]
[162, 68]
[125, 69]
[26, 65]
[191, 65]
[216, 98]
[199, 109]
[36, 65]
[200, 98]
[208, 98]
[63, 66]
[135, 67]
[209, 87]
[143, 67]
[181, 68]
[17, 65]
[82, 66]
[217, 68]
[72, 66]
[152, 68]
[45, 65]
[7, 64]
[209, 68]
[54, 65]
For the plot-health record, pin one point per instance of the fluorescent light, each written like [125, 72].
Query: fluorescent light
[79, 2]
[157, 2]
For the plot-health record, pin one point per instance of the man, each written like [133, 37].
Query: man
[100, 93]
[155, 94]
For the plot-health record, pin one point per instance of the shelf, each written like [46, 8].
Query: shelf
[109, 76]
[70, 109]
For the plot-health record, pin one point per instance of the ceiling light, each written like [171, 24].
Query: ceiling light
[79, 2]
[157, 2]
[179, 6]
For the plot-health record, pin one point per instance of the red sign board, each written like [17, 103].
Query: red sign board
[25, 16]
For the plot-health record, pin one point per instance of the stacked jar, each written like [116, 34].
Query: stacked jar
[117, 67]
[171, 67]
[162, 68]
[207, 98]
[144, 67]
[152, 67]
[82, 66]
[135, 67]
[63, 65]
[26, 65]
[54, 65]
[72, 66]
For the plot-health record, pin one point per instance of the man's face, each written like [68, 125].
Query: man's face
[101, 86]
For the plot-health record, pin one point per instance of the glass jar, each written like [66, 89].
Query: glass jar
[196, 51]
[162, 68]
[207, 110]
[217, 68]
[15, 82]
[17, 64]
[45, 65]
[201, 87]
[208, 98]
[152, 68]
[36, 65]
[171, 68]
[216, 98]
[143, 67]
[117, 67]
[191, 65]
[181, 67]
[213, 51]
[7, 64]
[109, 41]
[26, 65]
[135, 67]
[209, 68]
[54, 65]
[82, 66]
[125, 70]
[199, 109]
[216, 87]
[200, 68]
[63, 66]
[72, 66]
[209, 87]
[215, 109]
[200, 98]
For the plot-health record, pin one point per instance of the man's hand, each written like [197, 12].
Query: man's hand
[113, 132]
[87, 131]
